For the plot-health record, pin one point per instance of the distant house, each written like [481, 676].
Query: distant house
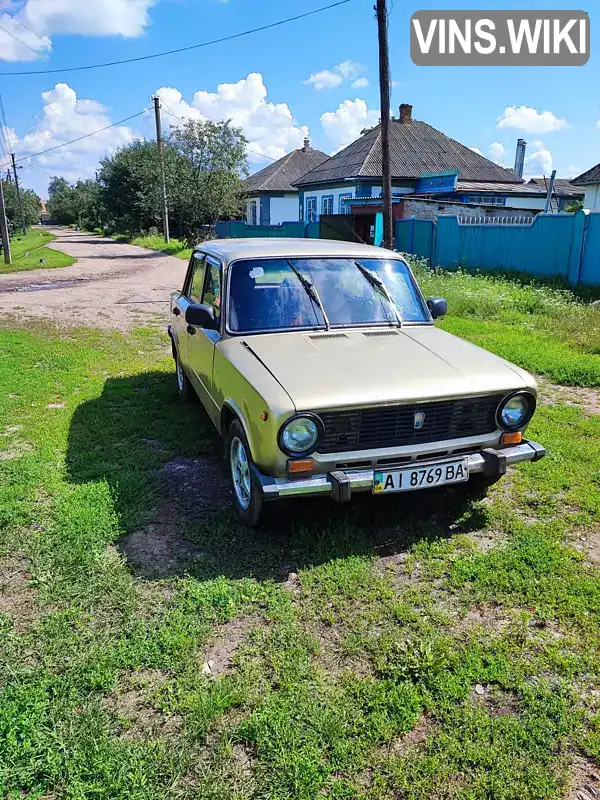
[425, 163]
[590, 182]
[271, 197]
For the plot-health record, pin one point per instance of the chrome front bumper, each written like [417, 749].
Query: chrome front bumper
[341, 483]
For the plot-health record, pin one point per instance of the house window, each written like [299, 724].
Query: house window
[345, 207]
[327, 204]
[311, 209]
[487, 200]
[252, 212]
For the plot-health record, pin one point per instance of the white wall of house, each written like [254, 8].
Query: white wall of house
[538, 202]
[320, 193]
[285, 209]
[592, 197]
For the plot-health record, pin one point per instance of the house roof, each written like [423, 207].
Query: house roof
[536, 186]
[562, 186]
[415, 148]
[280, 175]
[591, 176]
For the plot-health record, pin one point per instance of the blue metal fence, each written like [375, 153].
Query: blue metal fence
[561, 245]
[236, 229]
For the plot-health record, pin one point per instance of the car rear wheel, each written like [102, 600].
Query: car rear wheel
[247, 498]
[184, 387]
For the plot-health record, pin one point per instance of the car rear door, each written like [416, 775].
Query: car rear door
[201, 342]
[190, 293]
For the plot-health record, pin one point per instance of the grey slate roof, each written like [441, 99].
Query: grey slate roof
[415, 148]
[591, 176]
[562, 186]
[280, 175]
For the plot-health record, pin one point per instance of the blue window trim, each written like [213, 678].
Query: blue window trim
[345, 196]
[323, 199]
[311, 200]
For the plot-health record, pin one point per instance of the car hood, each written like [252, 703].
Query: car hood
[352, 368]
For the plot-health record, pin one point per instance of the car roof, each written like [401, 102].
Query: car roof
[234, 249]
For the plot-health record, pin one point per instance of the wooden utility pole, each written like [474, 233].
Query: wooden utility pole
[384, 91]
[161, 155]
[4, 228]
[12, 155]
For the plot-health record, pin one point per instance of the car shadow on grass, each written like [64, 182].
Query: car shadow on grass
[162, 462]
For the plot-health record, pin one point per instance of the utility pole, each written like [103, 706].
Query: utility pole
[550, 191]
[12, 155]
[384, 91]
[4, 228]
[161, 148]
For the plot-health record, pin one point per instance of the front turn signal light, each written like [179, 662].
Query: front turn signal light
[300, 465]
[512, 438]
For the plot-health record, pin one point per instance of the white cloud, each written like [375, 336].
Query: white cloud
[127, 18]
[497, 152]
[65, 117]
[345, 124]
[530, 120]
[269, 127]
[329, 78]
[360, 83]
[539, 162]
[476, 150]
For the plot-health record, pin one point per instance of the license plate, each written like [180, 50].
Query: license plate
[412, 478]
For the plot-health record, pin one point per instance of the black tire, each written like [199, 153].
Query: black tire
[248, 501]
[184, 387]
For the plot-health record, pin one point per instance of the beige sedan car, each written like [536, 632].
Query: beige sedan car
[319, 363]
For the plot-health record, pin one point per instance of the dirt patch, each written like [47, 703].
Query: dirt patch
[16, 595]
[219, 653]
[587, 541]
[495, 701]
[411, 741]
[585, 780]
[198, 487]
[588, 400]
[131, 703]
[112, 285]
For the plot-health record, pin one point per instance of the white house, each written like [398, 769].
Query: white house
[270, 196]
[590, 181]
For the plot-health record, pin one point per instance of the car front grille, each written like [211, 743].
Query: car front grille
[394, 426]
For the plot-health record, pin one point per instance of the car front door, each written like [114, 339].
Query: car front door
[192, 287]
[201, 342]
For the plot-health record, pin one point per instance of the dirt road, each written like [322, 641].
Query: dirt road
[112, 285]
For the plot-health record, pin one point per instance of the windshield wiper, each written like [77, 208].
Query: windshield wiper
[310, 291]
[378, 284]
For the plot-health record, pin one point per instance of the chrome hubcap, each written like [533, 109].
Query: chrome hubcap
[240, 473]
[180, 376]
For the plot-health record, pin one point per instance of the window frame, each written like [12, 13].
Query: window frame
[344, 196]
[197, 255]
[311, 200]
[212, 261]
[325, 199]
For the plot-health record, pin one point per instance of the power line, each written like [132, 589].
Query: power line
[182, 49]
[22, 42]
[16, 19]
[256, 153]
[79, 138]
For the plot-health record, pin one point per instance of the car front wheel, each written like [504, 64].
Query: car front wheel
[247, 499]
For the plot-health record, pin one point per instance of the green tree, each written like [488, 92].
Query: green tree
[32, 205]
[75, 204]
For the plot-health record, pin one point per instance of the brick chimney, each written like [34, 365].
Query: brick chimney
[307, 146]
[405, 113]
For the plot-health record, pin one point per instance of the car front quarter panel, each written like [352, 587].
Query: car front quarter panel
[246, 387]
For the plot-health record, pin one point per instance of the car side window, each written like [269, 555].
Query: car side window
[212, 287]
[197, 278]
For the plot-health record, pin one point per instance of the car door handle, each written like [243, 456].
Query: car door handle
[191, 330]
[176, 311]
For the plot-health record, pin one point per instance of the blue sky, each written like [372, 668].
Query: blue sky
[277, 103]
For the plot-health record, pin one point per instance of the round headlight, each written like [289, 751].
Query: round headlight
[516, 410]
[299, 435]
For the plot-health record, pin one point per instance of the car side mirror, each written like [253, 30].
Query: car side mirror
[202, 316]
[437, 306]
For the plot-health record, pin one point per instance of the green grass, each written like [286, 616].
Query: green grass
[545, 329]
[157, 242]
[29, 252]
[428, 646]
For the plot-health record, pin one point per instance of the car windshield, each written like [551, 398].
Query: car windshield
[279, 293]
